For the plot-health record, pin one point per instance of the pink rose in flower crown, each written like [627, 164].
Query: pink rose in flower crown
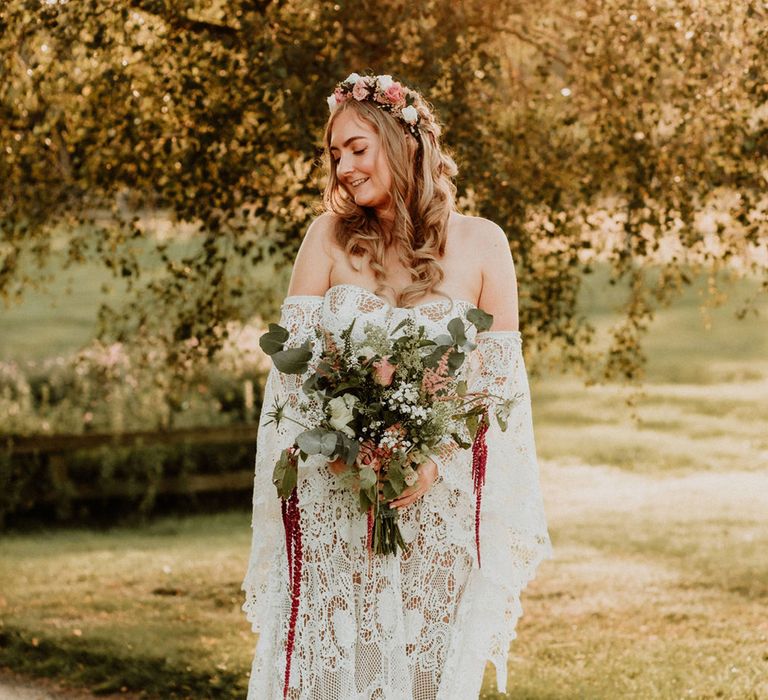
[340, 96]
[360, 91]
[383, 371]
[394, 93]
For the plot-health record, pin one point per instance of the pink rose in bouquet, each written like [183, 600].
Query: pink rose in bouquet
[383, 371]
[370, 456]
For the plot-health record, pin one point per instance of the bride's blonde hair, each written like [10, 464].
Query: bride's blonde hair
[422, 192]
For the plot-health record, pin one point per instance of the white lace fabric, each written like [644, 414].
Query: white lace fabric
[421, 625]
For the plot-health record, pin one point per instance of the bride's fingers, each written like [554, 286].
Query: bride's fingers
[406, 499]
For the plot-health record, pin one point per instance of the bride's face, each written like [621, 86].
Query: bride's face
[361, 165]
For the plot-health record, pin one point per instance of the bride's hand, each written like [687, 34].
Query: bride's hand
[427, 473]
[365, 457]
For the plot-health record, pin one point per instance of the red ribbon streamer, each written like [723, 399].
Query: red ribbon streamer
[292, 525]
[479, 461]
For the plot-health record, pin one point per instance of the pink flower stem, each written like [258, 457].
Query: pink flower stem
[292, 524]
[479, 461]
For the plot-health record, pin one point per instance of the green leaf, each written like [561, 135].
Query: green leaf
[293, 360]
[456, 329]
[396, 479]
[390, 491]
[367, 478]
[328, 443]
[461, 443]
[398, 326]
[365, 501]
[311, 441]
[472, 425]
[480, 319]
[285, 474]
[433, 358]
[455, 360]
[273, 340]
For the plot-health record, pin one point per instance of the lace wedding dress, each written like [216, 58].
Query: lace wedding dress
[420, 625]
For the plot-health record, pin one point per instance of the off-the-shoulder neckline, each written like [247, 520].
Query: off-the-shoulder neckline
[376, 296]
[321, 298]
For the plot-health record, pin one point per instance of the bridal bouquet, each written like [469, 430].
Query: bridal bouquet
[383, 403]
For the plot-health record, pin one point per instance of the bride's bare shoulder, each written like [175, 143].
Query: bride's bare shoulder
[476, 236]
[314, 261]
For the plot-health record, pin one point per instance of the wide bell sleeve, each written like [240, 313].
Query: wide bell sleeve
[513, 529]
[300, 315]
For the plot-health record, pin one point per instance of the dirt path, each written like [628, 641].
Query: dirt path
[16, 687]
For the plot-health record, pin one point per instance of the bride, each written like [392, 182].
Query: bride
[422, 624]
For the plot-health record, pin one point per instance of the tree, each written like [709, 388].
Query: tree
[641, 114]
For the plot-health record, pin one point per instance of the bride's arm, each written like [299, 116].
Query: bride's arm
[498, 297]
[299, 316]
[311, 275]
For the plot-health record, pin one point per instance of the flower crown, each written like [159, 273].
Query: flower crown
[385, 93]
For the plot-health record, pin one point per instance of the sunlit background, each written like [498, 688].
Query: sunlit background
[161, 161]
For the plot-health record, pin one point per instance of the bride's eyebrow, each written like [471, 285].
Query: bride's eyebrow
[347, 142]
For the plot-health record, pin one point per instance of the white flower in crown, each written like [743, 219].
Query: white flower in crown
[332, 102]
[409, 114]
[384, 82]
[352, 78]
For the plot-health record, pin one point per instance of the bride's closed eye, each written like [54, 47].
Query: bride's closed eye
[336, 159]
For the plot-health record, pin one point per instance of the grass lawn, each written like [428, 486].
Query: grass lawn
[658, 516]
[659, 590]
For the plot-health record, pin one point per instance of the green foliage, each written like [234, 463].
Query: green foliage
[126, 480]
[115, 389]
[120, 121]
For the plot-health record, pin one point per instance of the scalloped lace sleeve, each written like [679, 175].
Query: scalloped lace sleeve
[495, 366]
[300, 315]
[513, 529]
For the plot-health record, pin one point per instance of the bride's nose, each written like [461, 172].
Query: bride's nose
[344, 166]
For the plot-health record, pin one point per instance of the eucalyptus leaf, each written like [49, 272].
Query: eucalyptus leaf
[311, 441]
[273, 341]
[480, 319]
[365, 501]
[456, 329]
[328, 443]
[293, 360]
[367, 477]
[455, 360]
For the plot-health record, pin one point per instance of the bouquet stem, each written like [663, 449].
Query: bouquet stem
[387, 537]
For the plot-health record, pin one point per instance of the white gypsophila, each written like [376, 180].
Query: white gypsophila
[332, 103]
[409, 114]
[385, 82]
[406, 393]
[352, 78]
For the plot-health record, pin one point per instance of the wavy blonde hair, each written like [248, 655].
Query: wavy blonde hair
[423, 194]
